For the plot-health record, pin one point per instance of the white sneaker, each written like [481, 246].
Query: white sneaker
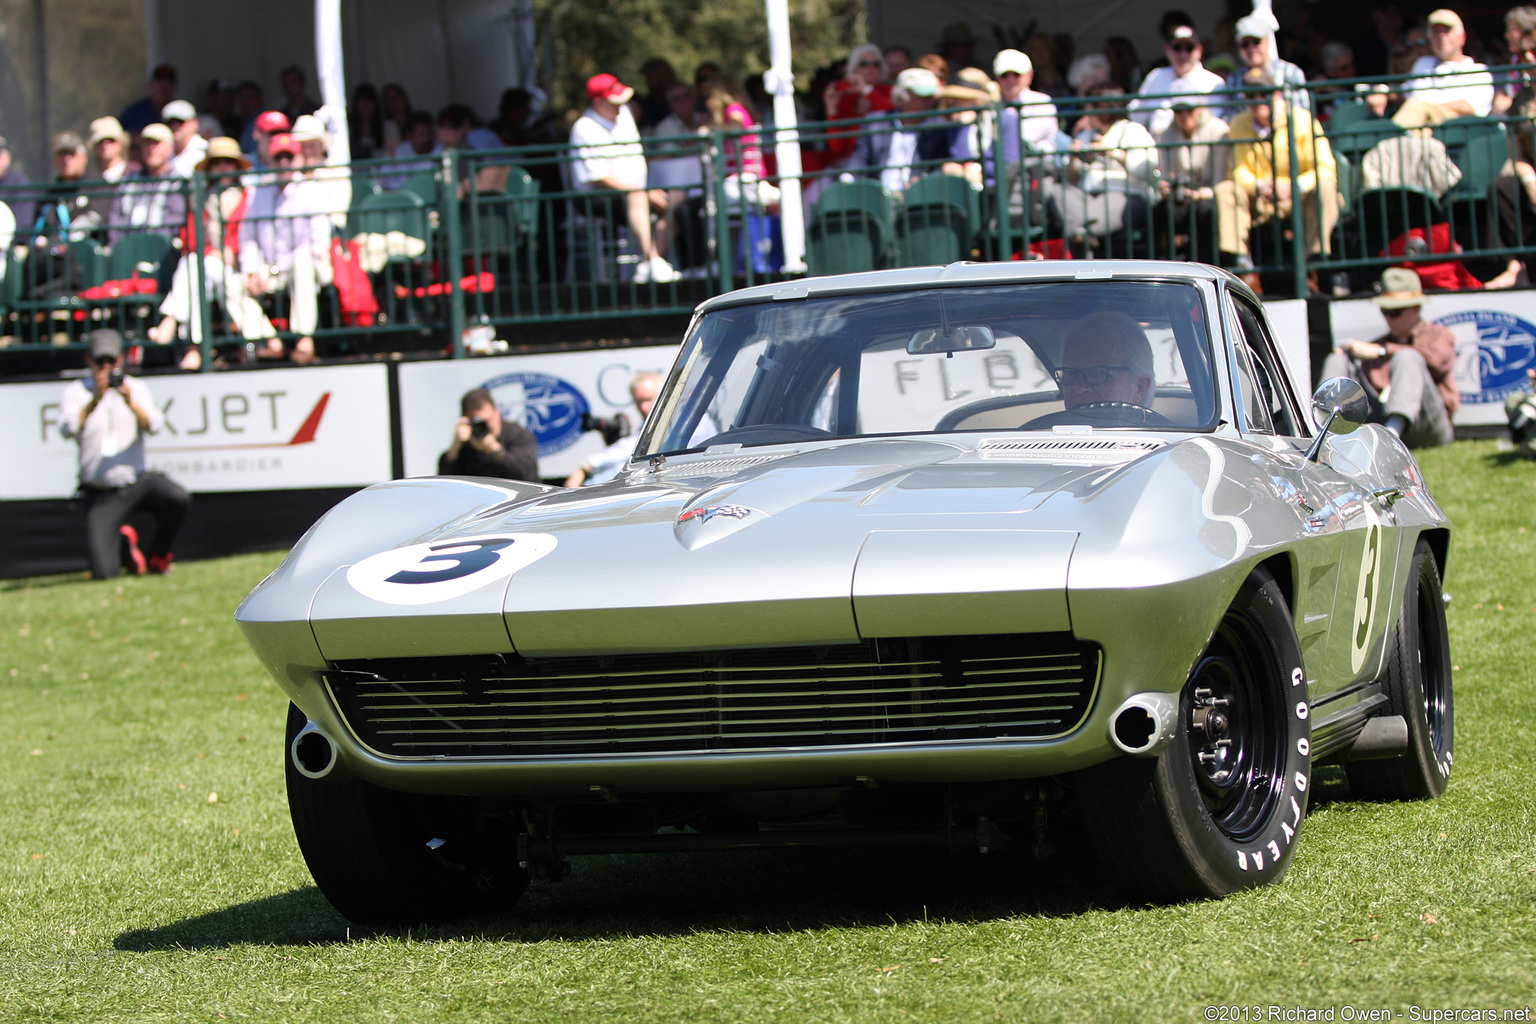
[642, 274]
[662, 272]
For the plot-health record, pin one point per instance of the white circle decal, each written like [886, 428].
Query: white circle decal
[445, 569]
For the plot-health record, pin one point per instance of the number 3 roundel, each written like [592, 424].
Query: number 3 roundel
[445, 569]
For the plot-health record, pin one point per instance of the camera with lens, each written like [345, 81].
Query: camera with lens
[611, 427]
[115, 377]
[478, 428]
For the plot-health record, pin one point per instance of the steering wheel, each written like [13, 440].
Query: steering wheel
[1102, 414]
[769, 433]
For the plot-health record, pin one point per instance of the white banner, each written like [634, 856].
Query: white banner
[253, 431]
[547, 393]
[1495, 343]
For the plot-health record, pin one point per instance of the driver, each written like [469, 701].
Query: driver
[1106, 360]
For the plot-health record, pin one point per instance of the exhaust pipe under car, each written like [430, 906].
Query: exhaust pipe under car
[313, 752]
[1143, 724]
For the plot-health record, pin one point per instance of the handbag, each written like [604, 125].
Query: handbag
[359, 306]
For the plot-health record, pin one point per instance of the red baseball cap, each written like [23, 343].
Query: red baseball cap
[283, 143]
[272, 121]
[607, 87]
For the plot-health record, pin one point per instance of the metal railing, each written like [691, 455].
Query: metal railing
[448, 252]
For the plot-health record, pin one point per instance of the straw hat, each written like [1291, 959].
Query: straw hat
[224, 148]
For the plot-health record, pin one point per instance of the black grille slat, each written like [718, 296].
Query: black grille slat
[888, 691]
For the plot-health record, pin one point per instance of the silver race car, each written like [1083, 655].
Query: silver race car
[920, 556]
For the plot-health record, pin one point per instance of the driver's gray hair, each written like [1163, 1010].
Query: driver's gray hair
[1124, 331]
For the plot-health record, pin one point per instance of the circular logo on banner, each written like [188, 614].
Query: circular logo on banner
[445, 569]
[549, 407]
[1495, 367]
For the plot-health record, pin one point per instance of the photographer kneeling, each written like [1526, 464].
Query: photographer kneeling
[485, 445]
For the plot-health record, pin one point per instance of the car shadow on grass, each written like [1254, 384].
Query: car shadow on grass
[688, 893]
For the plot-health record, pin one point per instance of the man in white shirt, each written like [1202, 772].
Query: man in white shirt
[285, 244]
[609, 159]
[109, 414]
[1447, 83]
[1183, 74]
[1035, 120]
[181, 118]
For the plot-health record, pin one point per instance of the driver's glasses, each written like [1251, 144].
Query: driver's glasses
[1090, 375]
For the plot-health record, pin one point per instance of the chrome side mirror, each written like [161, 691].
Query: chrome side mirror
[1339, 406]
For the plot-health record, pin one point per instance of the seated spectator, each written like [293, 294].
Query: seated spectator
[367, 138]
[1124, 64]
[63, 213]
[397, 108]
[1259, 189]
[1045, 58]
[1520, 44]
[862, 91]
[286, 247]
[22, 205]
[1183, 74]
[109, 147]
[920, 141]
[610, 162]
[296, 101]
[1256, 45]
[141, 113]
[730, 111]
[153, 198]
[486, 444]
[1108, 177]
[219, 262]
[1030, 117]
[190, 147]
[1512, 217]
[267, 125]
[897, 60]
[655, 107]
[420, 141]
[1193, 154]
[1448, 83]
[1338, 62]
[1407, 372]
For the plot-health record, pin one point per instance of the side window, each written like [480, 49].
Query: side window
[1261, 377]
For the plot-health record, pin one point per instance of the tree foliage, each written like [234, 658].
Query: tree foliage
[590, 36]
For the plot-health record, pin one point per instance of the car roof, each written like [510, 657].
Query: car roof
[961, 274]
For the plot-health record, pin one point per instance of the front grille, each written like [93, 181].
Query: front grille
[928, 690]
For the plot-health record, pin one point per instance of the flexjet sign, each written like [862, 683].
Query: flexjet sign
[278, 429]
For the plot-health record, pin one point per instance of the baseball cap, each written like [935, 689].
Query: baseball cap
[283, 143]
[272, 121]
[157, 131]
[1400, 288]
[68, 142]
[105, 341]
[1012, 60]
[918, 82]
[608, 87]
[107, 128]
[307, 126]
[178, 110]
[1183, 32]
[1448, 18]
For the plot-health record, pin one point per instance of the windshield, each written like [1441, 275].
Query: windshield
[1066, 356]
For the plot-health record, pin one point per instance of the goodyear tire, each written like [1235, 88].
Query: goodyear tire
[1220, 809]
[368, 851]
[1418, 687]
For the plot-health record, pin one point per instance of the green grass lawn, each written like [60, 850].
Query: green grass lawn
[148, 871]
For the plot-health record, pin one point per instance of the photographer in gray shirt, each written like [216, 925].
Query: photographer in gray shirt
[109, 414]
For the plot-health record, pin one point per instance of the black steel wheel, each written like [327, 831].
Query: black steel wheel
[1418, 687]
[390, 858]
[1220, 809]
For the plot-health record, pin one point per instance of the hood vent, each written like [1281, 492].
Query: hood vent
[1075, 449]
[717, 467]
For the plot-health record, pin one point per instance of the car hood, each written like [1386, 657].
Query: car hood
[828, 545]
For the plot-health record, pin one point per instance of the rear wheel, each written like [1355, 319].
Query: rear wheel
[390, 858]
[1418, 687]
[1219, 810]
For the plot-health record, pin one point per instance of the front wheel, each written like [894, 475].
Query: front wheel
[1418, 687]
[390, 858]
[1219, 810]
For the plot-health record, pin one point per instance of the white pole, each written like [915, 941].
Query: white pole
[333, 83]
[779, 80]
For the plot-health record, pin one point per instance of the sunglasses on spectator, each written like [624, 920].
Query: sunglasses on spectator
[1393, 314]
[1249, 43]
[282, 158]
[869, 63]
[1182, 47]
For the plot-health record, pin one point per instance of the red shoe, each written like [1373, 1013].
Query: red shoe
[133, 558]
[161, 564]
